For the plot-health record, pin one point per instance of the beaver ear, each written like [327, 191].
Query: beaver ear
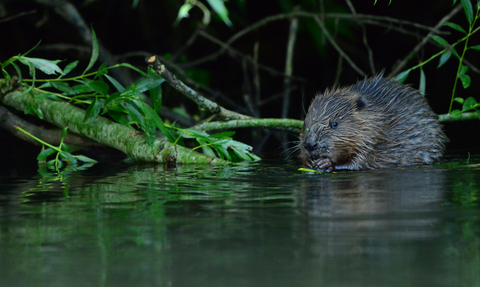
[361, 103]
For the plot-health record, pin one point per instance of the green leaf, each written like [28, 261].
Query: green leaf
[423, 82]
[444, 58]
[183, 13]
[207, 150]
[156, 98]
[402, 76]
[119, 117]
[455, 113]
[476, 47]
[64, 87]
[242, 155]
[102, 70]
[47, 96]
[157, 121]
[126, 65]
[454, 26]
[51, 164]
[114, 102]
[100, 87]
[68, 157]
[93, 111]
[66, 148]
[452, 49]
[94, 57]
[467, 6]
[116, 84]
[469, 104]
[465, 80]
[84, 159]
[459, 100]
[463, 70]
[46, 66]
[223, 152]
[64, 132]
[19, 72]
[134, 113]
[144, 84]
[70, 67]
[45, 153]
[222, 135]
[439, 40]
[219, 7]
[76, 90]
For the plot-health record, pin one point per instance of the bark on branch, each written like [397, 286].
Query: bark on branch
[106, 132]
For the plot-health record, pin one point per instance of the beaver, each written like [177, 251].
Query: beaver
[376, 123]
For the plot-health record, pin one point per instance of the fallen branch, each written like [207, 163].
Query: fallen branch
[106, 132]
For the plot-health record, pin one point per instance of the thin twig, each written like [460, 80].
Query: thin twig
[179, 71]
[339, 50]
[18, 15]
[292, 35]
[415, 50]
[256, 79]
[235, 51]
[364, 37]
[247, 88]
[190, 41]
[202, 102]
[368, 19]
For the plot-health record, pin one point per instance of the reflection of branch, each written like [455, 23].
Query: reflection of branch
[9, 120]
[415, 50]
[202, 102]
[335, 45]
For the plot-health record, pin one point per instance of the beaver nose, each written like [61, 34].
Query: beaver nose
[310, 144]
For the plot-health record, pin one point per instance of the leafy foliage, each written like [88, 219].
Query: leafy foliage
[92, 91]
[445, 55]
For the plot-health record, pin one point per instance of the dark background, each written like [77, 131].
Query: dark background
[148, 28]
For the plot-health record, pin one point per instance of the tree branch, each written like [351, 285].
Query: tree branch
[106, 132]
[202, 102]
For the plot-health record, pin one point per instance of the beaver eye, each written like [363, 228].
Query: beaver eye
[334, 125]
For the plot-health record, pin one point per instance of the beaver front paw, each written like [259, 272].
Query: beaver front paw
[321, 164]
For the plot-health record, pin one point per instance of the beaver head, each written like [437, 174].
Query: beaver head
[340, 131]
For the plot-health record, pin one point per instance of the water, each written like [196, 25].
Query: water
[251, 225]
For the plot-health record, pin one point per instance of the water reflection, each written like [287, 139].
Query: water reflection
[241, 226]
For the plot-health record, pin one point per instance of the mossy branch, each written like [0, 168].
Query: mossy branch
[280, 124]
[446, 118]
[106, 132]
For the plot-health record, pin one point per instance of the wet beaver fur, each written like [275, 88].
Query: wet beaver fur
[376, 123]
